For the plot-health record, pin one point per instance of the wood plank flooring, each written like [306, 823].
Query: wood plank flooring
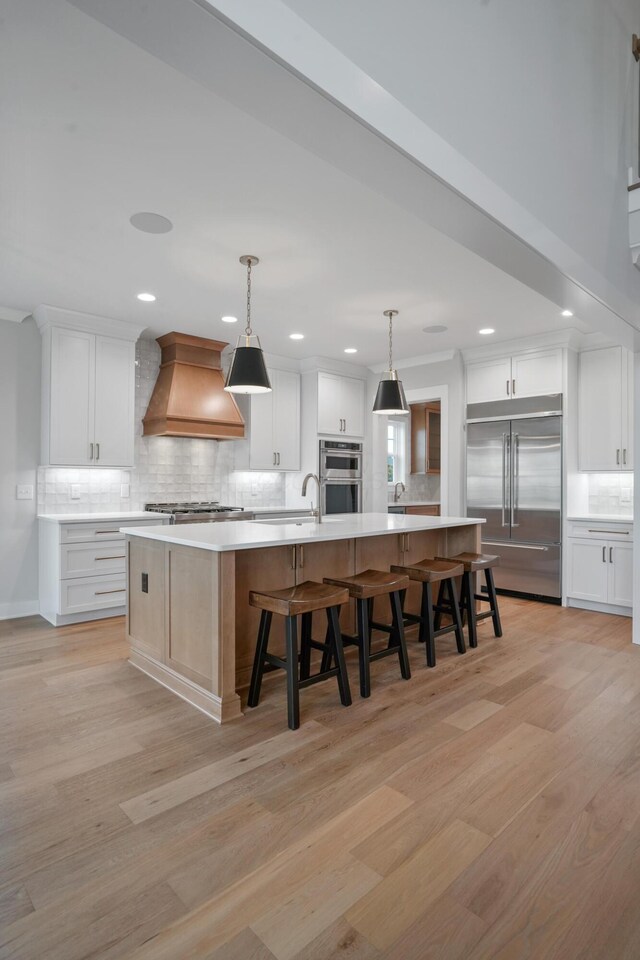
[488, 809]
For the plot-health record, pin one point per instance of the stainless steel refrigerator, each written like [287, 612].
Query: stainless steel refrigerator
[514, 482]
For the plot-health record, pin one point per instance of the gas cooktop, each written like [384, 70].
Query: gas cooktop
[199, 512]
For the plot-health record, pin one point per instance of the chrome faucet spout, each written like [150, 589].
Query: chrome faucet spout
[318, 512]
[396, 495]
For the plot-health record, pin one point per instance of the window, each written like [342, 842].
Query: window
[396, 445]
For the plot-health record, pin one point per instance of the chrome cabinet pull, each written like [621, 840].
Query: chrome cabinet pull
[301, 556]
[100, 593]
[604, 554]
[610, 554]
[513, 388]
[91, 452]
[624, 456]
[293, 558]
[101, 533]
[617, 533]
[618, 457]
[278, 459]
[120, 557]
[97, 451]
[508, 394]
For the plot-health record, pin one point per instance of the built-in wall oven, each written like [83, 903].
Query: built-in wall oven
[341, 476]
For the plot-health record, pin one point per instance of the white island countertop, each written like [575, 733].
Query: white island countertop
[413, 503]
[252, 534]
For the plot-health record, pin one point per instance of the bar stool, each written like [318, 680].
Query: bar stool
[302, 600]
[429, 572]
[473, 563]
[363, 588]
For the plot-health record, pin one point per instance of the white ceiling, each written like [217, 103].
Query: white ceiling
[95, 129]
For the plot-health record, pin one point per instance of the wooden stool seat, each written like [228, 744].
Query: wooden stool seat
[430, 571]
[364, 587]
[472, 562]
[370, 583]
[303, 598]
[427, 572]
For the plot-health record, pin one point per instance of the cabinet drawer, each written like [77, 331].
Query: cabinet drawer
[88, 559]
[92, 593]
[601, 530]
[99, 530]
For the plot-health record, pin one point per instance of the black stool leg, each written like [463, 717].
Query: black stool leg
[327, 654]
[364, 647]
[469, 605]
[437, 620]
[455, 613]
[426, 624]
[493, 601]
[293, 692]
[338, 652]
[258, 660]
[397, 634]
[305, 646]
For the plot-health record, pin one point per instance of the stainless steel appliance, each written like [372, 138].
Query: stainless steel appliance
[205, 512]
[340, 476]
[514, 481]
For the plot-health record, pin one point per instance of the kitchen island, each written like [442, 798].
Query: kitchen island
[189, 622]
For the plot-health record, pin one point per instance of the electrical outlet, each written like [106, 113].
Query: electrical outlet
[75, 491]
[24, 491]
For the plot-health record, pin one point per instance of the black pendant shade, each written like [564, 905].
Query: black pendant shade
[248, 371]
[390, 398]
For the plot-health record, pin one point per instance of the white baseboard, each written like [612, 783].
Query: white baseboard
[21, 608]
[599, 607]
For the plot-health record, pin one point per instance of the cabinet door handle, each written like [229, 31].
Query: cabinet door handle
[278, 459]
[513, 388]
[100, 593]
[508, 394]
[91, 452]
[293, 558]
[97, 451]
[604, 554]
[119, 557]
[624, 456]
[610, 554]
[103, 532]
[345, 426]
[301, 556]
[618, 457]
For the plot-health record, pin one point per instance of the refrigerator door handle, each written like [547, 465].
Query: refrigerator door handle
[515, 447]
[504, 477]
[514, 546]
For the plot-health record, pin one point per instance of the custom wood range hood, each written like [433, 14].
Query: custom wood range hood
[189, 399]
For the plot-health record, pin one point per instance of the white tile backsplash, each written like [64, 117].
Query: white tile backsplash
[610, 494]
[166, 468]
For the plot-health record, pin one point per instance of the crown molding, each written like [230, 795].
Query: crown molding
[47, 316]
[566, 337]
[315, 364]
[13, 315]
[441, 357]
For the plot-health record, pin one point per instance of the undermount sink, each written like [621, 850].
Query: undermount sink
[299, 521]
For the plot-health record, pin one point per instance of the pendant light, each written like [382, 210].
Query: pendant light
[390, 399]
[248, 371]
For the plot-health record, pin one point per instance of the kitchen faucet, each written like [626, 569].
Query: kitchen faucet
[396, 495]
[314, 513]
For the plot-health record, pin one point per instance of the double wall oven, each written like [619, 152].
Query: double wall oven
[340, 476]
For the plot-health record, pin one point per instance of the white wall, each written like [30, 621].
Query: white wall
[19, 455]
[541, 98]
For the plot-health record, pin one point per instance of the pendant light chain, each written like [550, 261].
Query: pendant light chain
[247, 330]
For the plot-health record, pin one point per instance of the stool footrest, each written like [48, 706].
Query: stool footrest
[318, 677]
[385, 627]
[275, 661]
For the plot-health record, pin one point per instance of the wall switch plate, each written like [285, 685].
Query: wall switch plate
[24, 491]
[75, 491]
[124, 490]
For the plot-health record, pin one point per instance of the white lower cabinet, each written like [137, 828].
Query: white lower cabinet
[600, 571]
[83, 567]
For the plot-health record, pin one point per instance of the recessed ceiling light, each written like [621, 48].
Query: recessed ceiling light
[485, 331]
[566, 313]
[229, 319]
[350, 350]
[146, 297]
[296, 336]
[435, 328]
[150, 223]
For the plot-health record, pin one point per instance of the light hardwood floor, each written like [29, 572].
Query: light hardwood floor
[485, 810]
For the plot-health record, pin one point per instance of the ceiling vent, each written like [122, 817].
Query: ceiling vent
[189, 399]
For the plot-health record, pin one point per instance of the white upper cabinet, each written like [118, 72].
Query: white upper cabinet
[340, 405]
[274, 442]
[605, 410]
[88, 389]
[531, 374]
